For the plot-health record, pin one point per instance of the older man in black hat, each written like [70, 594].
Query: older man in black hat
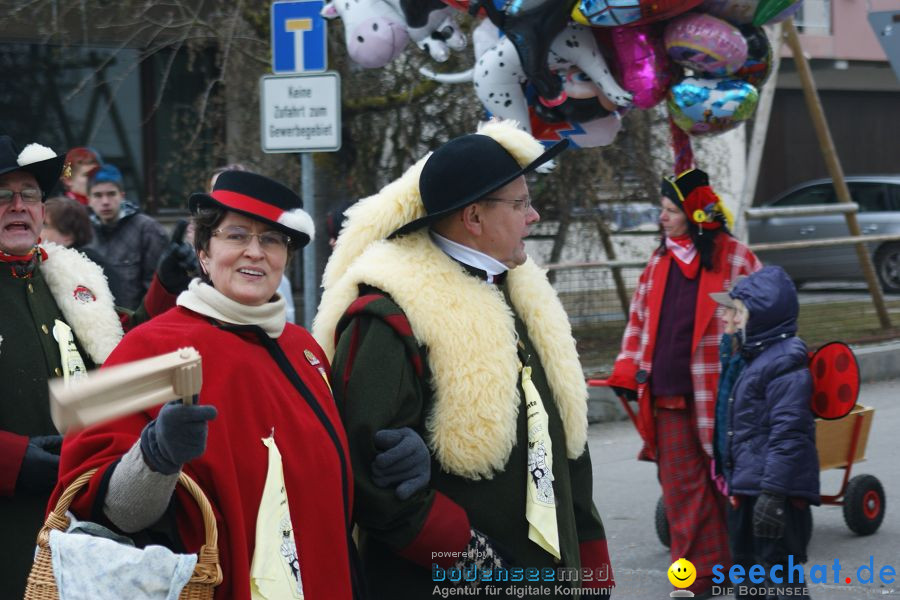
[443, 324]
[58, 320]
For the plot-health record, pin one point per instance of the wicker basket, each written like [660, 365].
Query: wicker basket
[207, 573]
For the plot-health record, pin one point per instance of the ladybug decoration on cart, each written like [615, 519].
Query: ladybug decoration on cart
[835, 375]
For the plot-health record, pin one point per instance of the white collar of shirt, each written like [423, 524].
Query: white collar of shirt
[469, 256]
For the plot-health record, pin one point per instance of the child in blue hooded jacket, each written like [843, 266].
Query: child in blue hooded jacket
[765, 431]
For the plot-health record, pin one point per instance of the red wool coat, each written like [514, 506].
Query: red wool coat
[253, 396]
[731, 258]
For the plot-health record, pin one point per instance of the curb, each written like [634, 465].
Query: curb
[877, 362]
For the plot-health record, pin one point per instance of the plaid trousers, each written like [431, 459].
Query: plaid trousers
[694, 508]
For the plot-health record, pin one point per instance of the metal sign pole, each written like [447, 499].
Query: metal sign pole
[310, 286]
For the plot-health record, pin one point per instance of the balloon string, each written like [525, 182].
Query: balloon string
[681, 148]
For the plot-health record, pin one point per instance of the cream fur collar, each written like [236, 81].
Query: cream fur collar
[79, 287]
[473, 355]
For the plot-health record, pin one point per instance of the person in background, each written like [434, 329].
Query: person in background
[263, 439]
[439, 322]
[68, 223]
[334, 220]
[669, 363]
[130, 241]
[80, 162]
[58, 320]
[768, 449]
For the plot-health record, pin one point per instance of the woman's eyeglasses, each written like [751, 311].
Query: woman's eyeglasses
[240, 238]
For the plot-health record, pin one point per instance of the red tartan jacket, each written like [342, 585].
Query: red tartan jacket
[731, 258]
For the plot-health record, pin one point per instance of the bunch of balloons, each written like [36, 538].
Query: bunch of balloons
[571, 68]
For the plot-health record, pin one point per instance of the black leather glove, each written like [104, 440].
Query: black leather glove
[40, 465]
[769, 515]
[625, 392]
[404, 461]
[176, 436]
[178, 263]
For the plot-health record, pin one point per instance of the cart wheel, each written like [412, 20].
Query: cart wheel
[662, 524]
[864, 504]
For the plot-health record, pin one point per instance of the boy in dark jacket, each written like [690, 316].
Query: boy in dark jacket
[768, 450]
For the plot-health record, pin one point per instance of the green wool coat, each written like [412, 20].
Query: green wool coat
[29, 357]
[376, 386]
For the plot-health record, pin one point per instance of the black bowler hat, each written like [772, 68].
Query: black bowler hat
[262, 199]
[465, 170]
[40, 161]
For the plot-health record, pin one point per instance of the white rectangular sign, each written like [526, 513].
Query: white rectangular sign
[300, 113]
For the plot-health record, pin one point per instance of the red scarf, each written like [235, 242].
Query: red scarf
[23, 266]
[685, 254]
[83, 200]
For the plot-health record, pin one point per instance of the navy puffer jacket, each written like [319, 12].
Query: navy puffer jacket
[771, 430]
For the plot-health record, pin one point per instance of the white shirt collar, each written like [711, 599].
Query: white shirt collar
[469, 256]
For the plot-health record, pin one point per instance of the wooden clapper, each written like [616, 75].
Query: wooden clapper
[113, 392]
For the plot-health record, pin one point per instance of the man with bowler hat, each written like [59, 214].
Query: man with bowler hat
[58, 320]
[438, 321]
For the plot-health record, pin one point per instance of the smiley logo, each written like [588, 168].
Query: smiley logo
[682, 573]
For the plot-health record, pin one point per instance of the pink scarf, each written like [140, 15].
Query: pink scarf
[682, 248]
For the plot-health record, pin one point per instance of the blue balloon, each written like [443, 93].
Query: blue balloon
[711, 106]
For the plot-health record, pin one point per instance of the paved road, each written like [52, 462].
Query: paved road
[626, 492]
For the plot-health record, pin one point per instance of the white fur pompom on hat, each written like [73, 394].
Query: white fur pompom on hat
[34, 153]
[38, 160]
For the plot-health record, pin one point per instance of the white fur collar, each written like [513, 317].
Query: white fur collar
[79, 287]
[472, 356]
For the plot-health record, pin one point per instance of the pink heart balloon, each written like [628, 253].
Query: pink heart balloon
[644, 67]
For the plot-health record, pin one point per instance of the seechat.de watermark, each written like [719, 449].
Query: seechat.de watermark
[792, 579]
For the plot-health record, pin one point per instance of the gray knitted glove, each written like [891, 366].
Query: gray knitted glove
[769, 516]
[176, 436]
[404, 461]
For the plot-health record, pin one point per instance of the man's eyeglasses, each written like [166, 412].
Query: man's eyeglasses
[240, 238]
[28, 195]
[522, 204]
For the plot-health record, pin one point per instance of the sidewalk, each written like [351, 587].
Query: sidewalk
[877, 362]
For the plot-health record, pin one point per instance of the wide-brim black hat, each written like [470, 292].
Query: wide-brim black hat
[465, 170]
[38, 160]
[260, 198]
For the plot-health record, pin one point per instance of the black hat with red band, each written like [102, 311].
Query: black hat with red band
[262, 199]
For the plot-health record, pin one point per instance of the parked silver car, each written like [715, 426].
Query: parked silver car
[878, 197]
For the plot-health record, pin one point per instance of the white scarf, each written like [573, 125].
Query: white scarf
[203, 298]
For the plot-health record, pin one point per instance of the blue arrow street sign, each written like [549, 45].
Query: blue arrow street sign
[298, 37]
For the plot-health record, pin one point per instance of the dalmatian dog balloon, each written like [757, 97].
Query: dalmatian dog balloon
[499, 77]
[377, 31]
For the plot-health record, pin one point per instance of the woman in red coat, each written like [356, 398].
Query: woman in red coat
[669, 363]
[264, 440]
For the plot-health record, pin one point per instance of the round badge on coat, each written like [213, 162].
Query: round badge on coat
[84, 295]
